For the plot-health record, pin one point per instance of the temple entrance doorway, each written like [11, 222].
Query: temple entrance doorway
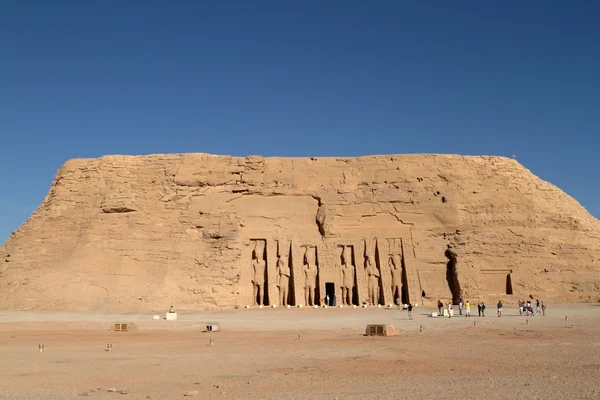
[330, 299]
[509, 289]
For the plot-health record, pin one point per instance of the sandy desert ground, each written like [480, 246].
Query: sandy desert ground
[258, 355]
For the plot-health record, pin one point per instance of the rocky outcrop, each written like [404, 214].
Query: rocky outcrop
[200, 231]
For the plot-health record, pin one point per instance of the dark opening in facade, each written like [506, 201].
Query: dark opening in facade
[318, 294]
[509, 289]
[452, 277]
[405, 298]
[291, 300]
[330, 299]
[381, 298]
[355, 288]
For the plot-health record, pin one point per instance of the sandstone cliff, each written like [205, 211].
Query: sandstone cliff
[196, 230]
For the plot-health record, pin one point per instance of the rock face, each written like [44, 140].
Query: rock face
[199, 231]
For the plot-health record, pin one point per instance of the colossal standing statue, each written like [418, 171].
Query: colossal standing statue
[373, 278]
[258, 267]
[284, 278]
[310, 276]
[347, 275]
[395, 264]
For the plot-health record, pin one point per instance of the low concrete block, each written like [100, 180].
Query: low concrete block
[171, 316]
[381, 330]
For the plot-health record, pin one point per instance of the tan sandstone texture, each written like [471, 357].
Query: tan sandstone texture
[200, 231]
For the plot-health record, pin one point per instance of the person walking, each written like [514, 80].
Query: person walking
[468, 308]
[410, 307]
[460, 307]
[440, 307]
[479, 308]
[537, 306]
[543, 309]
[482, 309]
[520, 307]
[499, 308]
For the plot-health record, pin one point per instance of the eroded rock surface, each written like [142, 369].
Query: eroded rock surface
[143, 233]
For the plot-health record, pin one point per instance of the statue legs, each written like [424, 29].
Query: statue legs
[373, 294]
[347, 296]
[309, 296]
[283, 292]
[258, 292]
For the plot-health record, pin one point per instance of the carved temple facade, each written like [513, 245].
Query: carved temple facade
[395, 282]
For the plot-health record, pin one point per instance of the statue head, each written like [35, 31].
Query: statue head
[368, 256]
[397, 261]
[282, 257]
[392, 261]
[309, 256]
[346, 255]
[259, 250]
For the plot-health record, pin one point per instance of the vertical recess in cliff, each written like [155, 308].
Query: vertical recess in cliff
[291, 300]
[451, 275]
[405, 299]
[355, 272]
[381, 299]
[320, 218]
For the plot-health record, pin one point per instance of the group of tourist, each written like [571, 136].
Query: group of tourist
[462, 305]
[524, 308]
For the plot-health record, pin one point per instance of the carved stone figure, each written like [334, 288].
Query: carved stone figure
[347, 275]
[258, 267]
[310, 276]
[283, 268]
[395, 264]
[373, 278]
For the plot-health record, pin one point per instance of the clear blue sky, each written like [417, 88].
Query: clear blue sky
[297, 78]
